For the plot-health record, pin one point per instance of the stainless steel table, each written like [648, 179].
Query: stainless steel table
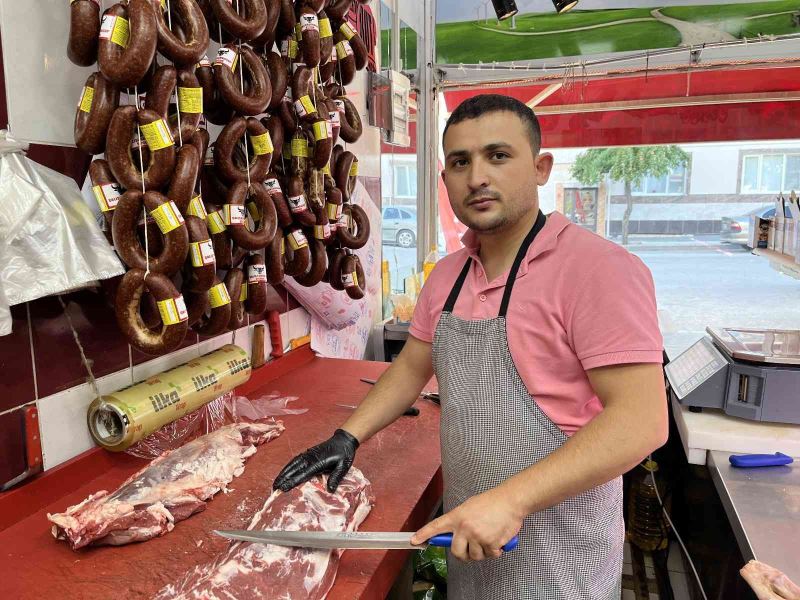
[763, 507]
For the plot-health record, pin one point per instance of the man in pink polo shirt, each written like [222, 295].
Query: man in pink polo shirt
[545, 343]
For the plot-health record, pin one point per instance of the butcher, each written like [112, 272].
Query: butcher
[545, 343]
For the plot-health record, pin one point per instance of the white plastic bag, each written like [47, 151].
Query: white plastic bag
[49, 240]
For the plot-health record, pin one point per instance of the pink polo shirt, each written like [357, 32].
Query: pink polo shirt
[579, 302]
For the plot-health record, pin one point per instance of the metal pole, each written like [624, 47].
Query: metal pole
[427, 142]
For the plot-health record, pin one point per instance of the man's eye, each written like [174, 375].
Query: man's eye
[499, 156]
[459, 163]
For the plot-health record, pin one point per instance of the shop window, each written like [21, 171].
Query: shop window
[405, 181]
[671, 184]
[770, 173]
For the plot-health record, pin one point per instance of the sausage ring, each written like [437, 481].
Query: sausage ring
[218, 300]
[170, 222]
[360, 52]
[267, 37]
[298, 203]
[345, 173]
[84, 31]
[99, 100]
[297, 257]
[125, 58]
[309, 36]
[282, 211]
[171, 306]
[267, 222]
[257, 93]
[245, 27]
[286, 19]
[237, 290]
[256, 272]
[214, 107]
[335, 269]
[274, 259]
[274, 126]
[353, 215]
[201, 265]
[279, 77]
[337, 9]
[325, 39]
[226, 144]
[319, 265]
[322, 130]
[190, 99]
[187, 169]
[189, 48]
[353, 277]
[346, 63]
[106, 191]
[351, 127]
[122, 132]
[302, 89]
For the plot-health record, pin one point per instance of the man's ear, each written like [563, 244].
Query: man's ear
[544, 164]
[444, 179]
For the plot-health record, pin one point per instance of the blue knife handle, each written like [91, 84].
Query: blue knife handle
[445, 540]
[746, 461]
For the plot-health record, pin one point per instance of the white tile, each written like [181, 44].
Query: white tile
[628, 595]
[285, 329]
[654, 597]
[627, 569]
[298, 322]
[675, 559]
[626, 557]
[164, 363]
[680, 586]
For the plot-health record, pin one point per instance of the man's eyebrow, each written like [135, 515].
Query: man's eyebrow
[494, 146]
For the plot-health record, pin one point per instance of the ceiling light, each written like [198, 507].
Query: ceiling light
[563, 6]
[504, 8]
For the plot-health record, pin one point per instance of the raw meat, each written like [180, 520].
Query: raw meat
[171, 488]
[249, 570]
[769, 583]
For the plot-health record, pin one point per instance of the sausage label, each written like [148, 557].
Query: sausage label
[298, 203]
[196, 208]
[350, 280]
[87, 97]
[243, 293]
[354, 169]
[167, 217]
[157, 135]
[253, 211]
[294, 49]
[325, 30]
[107, 196]
[202, 253]
[116, 29]
[273, 187]
[235, 214]
[335, 117]
[262, 144]
[326, 170]
[216, 222]
[334, 211]
[298, 32]
[321, 131]
[347, 31]
[322, 232]
[344, 221]
[283, 246]
[190, 100]
[173, 310]
[300, 147]
[227, 57]
[343, 50]
[297, 239]
[334, 54]
[257, 274]
[304, 106]
[204, 62]
[309, 22]
[218, 296]
[339, 106]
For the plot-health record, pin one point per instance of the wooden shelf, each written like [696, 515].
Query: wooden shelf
[780, 262]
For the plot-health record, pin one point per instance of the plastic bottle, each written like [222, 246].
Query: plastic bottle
[647, 528]
[430, 262]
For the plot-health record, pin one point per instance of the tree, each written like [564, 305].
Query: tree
[627, 165]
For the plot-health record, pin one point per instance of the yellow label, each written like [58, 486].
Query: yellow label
[107, 196]
[87, 97]
[121, 34]
[304, 106]
[157, 135]
[283, 246]
[298, 32]
[253, 211]
[243, 293]
[196, 208]
[294, 49]
[218, 296]
[216, 222]
[322, 232]
[326, 170]
[354, 169]
[173, 310]
[355, 278]
[167, 217]
[234, 214]
[202, 253]
[343, 50]
[320, 129]
[300, 147]
[334, 211]
[190, 100]
[325, 30]
[347, 31]
[262, 144]
[297, 239]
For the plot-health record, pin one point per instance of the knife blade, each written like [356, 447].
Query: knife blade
[352, 540]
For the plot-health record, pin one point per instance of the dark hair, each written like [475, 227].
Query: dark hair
[483, 104]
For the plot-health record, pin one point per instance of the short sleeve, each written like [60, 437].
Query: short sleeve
[423, 322]
[614, 318]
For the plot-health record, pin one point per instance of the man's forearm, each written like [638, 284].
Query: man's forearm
[396, 390]
[611, 444]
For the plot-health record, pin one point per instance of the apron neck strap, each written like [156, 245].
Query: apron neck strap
[451, 299]
[523, 250]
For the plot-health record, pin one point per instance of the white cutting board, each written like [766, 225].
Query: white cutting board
[714, 430]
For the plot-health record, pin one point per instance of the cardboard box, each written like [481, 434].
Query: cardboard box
[789, 225]
[779, 228]
[771, 234]
[797, 244]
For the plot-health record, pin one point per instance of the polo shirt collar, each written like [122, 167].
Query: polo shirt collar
[546, 240]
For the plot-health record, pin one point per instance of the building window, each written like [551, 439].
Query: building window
[671, 184]
[770, 173]
[405, 181]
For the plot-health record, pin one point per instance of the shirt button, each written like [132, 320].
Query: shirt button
[483, 297]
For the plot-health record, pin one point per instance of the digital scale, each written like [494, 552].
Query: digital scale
[749, 373]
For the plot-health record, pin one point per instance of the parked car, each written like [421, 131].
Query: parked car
[736, 230]
[400, 226]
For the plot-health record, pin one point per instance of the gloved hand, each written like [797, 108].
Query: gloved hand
[335, 456]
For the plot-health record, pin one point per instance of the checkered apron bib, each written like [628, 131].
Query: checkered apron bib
[491, 429]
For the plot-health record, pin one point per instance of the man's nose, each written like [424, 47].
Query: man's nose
[478, 175]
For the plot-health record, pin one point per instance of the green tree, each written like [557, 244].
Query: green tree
[628, 165]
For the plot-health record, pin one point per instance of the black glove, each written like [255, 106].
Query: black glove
[335, 456]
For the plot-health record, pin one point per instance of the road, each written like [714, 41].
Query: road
[699, 283]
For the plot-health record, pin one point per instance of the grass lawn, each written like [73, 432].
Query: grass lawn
[466, 43]
[731, 17]
[576, 18]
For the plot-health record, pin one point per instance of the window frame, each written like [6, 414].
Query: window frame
[759, 172]
[666, 187]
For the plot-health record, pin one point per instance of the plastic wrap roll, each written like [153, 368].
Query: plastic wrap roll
[123, 418]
